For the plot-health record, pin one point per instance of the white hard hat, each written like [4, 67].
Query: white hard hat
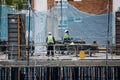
[66, 30]
[49, 33]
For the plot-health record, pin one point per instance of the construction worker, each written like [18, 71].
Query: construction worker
[50, 44]
[66, 36]
[66, 40]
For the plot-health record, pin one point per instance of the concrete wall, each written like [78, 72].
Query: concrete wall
[40, 5]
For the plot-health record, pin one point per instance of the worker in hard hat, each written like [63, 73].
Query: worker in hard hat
[50, 44]
[66, 39]
[66, 36]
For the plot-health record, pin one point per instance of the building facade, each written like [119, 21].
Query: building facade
[89, 6]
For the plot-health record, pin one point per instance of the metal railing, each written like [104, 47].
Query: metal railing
[69, 50]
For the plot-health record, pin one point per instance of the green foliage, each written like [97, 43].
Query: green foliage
[9, 2]
[0, 2]
[17, 3]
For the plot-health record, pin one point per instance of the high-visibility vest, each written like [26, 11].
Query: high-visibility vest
[50, 39]
[66, 35]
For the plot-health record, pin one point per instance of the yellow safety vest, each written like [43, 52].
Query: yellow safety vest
[66, 35]
[50, 39]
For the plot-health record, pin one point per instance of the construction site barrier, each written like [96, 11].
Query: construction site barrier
[59, 50]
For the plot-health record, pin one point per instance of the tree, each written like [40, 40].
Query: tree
[0, 2]
[9, 2]
[17, 3]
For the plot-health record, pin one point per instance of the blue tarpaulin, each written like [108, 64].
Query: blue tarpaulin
[5, 10]
[85, 26]
[4, 23]
[81, 25]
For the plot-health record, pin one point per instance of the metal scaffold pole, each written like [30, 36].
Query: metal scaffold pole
[61, 21]
[108, 42]
[29, 9]
[28, 61]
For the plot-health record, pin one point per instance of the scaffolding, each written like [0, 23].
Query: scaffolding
[98, 63]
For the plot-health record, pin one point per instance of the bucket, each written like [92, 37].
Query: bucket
[82, 54]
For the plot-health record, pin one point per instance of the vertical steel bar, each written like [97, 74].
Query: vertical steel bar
[61, 73]
[89, 70]
[18, 73]
[50, 76]
[78, 73]
[5, 73]
[29, 7]
[85, 73]
[0, 73]
[98, 73]
[113, 73]
[70, 73]
[28, 73]
[101, 73]
[116, 73]
[10, 74]
[108, 42]
[82, 73]
[39, 73]
[93, 73]
[61, 20]
[34, 76]
[52, 22]
[42, 73]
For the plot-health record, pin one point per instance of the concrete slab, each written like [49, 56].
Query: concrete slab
[42, 56]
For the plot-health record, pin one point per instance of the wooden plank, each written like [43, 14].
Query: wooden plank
[18, 36]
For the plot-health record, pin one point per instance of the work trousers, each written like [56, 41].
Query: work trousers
[67, 40]
[50, 49]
